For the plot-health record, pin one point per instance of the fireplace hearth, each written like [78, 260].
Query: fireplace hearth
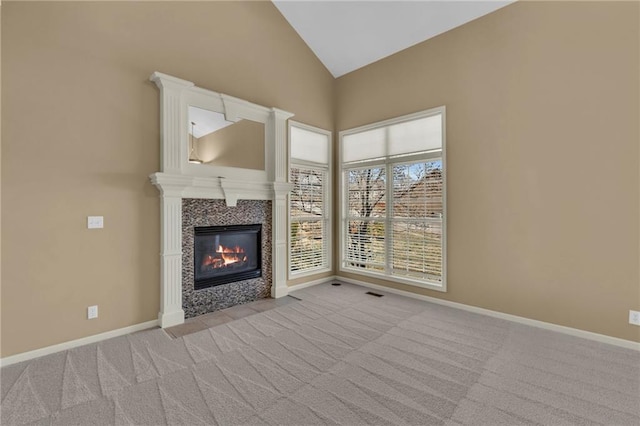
[226, 254]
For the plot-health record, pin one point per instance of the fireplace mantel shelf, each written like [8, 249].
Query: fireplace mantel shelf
[183, 186]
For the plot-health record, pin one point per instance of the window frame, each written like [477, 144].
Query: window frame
[327, 205]
[388, 162]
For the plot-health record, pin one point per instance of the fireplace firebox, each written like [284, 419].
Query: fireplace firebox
[225, 254]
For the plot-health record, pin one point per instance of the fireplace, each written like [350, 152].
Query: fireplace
[237, 189]
[225, 254]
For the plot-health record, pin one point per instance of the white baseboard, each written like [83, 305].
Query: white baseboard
[171, 318]
[25, 356]
[312, 283]
[521, 320]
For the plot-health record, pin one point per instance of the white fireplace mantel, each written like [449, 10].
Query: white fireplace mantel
[178, 179]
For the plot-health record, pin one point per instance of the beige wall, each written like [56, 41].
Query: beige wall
[542, 144]
[542, 122]
[80, 135]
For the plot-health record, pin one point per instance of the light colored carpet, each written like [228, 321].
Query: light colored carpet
[338, 356]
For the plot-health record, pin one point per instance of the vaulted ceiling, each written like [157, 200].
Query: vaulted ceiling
[347, 35]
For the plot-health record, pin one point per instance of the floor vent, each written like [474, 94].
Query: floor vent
[336, 284]
[370, 293]
[293, 297]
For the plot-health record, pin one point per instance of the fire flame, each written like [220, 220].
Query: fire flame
[231, 255]
[225, 256]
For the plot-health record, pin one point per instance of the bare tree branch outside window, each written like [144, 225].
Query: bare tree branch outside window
[367, 191]
[308, 244]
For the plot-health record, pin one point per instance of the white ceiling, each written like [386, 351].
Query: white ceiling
[347, 35]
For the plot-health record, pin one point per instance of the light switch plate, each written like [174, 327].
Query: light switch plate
[634, 317]
[95, 222]
[92, 312]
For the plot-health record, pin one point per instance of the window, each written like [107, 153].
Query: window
[393, 192]
[309, 200]
[366, 218]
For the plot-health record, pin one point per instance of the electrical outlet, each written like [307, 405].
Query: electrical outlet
[634, 317]
[92, 312]
[95, 222]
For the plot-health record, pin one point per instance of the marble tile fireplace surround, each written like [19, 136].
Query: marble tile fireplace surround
[201, 213]
[207, 195]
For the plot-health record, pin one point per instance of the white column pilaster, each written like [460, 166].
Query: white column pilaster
[171, 312]
[172, 151]
[279, 174]
[279, 240]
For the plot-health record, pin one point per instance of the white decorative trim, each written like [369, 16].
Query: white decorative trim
[26, 356]
[623, 343]
[171, 312]
[398, 279]
[324, 280]
[279, 291]
[277, 164]
[172, 317]
[279, 240]
[171, 89]
[178, 179]
[236, 109]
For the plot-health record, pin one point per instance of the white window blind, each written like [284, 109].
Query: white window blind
[393, 213]
[365, 145]
[409, 137]
[414, 136]
[416, 222]
[308, 234]
[309, 200]
[309, 146]
[366, 191]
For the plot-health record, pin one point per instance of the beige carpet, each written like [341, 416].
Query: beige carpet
[338, 356]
